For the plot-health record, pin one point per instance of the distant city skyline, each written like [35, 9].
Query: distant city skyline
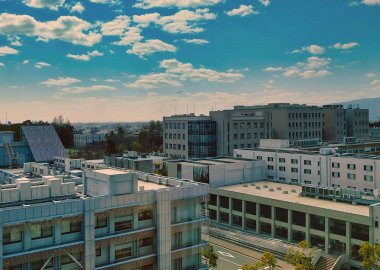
[114, 60]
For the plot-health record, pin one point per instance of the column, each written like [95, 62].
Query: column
[27, 236]
[135, 220]
[57, 231]
[217, 209]
[243, 214]
[290, 226]
[89, 235]
[1, 241]
[163, 230]
[348, 238]
[327, 235]
[272, 221]
[230, 211]
[257, 218]
[307, 227]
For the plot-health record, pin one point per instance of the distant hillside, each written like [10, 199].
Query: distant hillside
[373, 104]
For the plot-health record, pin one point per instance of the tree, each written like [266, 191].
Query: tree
[267, 261]
[302, 256]
[211, 256]
[370, 256]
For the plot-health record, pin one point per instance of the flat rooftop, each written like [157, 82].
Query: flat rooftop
[111, 171]
[150, 185]
[293, 197]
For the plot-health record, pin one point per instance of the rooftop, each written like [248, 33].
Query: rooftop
[293, 197]
[150, 185]
[110, 172]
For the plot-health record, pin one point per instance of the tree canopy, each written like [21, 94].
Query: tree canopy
[370, 256]
[302, 256]
[211, 256]
[267, 261]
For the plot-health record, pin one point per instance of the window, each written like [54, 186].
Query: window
[242, 136]
[270, 158]
[294, 170]
[101, 222]
[281, 160]
[235, 125]
[12, 235]
[122, 252]
[237, 205]
[237, 220]
[71, 226]
[41, 231]
[270, 167]
[98, 252]
[294, 161]
[235, 136]
[148, 241]
[307, 162]
[351, 176]
[307, 171]
[248, 135]
[146, 215]
[368, 168]
[123, 223]
[242, 125]
[213, 199]
[259, 157]
[368, 178]
[224, 202]
[281, 168]
[250, 208]
[336, 165]
[351, 166]
[335, 174]
[66, 259]
[37, 265]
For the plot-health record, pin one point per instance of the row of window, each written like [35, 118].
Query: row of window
[293, 170]
[303, 115]
[367, 168]
[248, 136]
[304, 135]
[304, 124]
[352, 176]
[248, 125]
[175, 146]
[283, 160]
[175, 136]
[175, 125]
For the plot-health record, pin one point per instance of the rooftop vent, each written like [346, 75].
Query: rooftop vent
[285, 192]
[265, 186]
[245, 185]
[294, 191]
[257, 187]
[278, 188]
[253, 184]
[271, 189]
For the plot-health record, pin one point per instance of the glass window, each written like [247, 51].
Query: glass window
[307, 162]
[294, 170]
[281, 160]
[237, 205]
[265, 211]
[224, 217]
[12, 235]
[281, 168]
[71, 226]
[307, 171]
[368, 178]
[224, 202]
[148, 241]
[351, 176]
[294, 161]
[41, 231]
[101, 222]
[299, 218]
[281, 214]
[237, 220]
[250, 208]
[122, 252]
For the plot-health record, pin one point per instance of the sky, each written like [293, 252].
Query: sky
[139, 60]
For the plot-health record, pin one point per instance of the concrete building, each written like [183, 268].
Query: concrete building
[217, 171]
[357, 122]
[374, 133]
[334, 124]
[244, 126]
[123, 220]
[293, 213]
[189, 136]
[81, 140]
[360, 172]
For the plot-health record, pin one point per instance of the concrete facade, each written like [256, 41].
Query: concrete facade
[357, 122]
[81, 140]
[334, 124]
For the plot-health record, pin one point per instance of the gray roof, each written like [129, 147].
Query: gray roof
[43, 142]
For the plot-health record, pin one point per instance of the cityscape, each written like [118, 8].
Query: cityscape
[189, 135]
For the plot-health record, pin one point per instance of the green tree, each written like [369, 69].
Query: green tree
[211, 256]
[370, 256]
[302, 256]
[267, 261]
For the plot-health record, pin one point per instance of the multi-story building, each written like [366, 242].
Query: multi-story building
[334, 125]
[122, 220]
[293, 213]
[360, 172]
[244, 126]
[189, 136]
[357, 122]
[374, 133]
[81, 140]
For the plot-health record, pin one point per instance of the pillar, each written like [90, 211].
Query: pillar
[290, 226]
[348, 238]
[89, 235]
[163, 230]
[272, 221]
[327, 235]
[257, 218]
[307, 227]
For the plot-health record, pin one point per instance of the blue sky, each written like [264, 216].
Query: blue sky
[114, 60]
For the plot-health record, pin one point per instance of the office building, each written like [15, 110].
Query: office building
[334, 124]
[374, 133]
[189, 136]
[81, 140]
[357, 122]
[121, 220]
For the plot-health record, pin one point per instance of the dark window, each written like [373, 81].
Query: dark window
[237, 220]
[317, 222]
[281, 232]
[213, 199]
[101, 222]
[148, 241]
[224, 202]
[123, 225]
[212, 214]
[250, 224]
[224, 217]
[298, 236]
[337, 227]
[265, 228]
[146, 215]
[250, 208]
[98, 252]
[299, 218]
[237, 205]
[360, 232]
[123, 253]
[265, 211]
[281, 214]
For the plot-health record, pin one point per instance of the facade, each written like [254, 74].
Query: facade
[334, 124]
[123, 220]
[280, 211]
[244, 126]
[357, 122]
[81, 140]
[360, 172]
[189, 136]
[21, 149]
[374, 133]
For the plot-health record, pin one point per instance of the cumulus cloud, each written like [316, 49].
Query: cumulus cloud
[196, 41]
[40, 65]
[60, 81]
[371, 2]
[176, 71]
[5, 50]
[78, 7]
[371, 75]
[50, 4]
[314, 67]
[375, 83]
[150, 46]
[15, 41]
[84, 89]
[25, 62]
[146, 4]
[66, 28]
[116, 27]
[242, 11]
[265, 2]
[133, 35]
[345, 46]
[84, 57]
[313, 49]
[2, 64]
[182, 22]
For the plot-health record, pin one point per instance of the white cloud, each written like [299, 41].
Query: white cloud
[176, 71]
[184, 21]
[61, 81]
[133, 35]
[111, 80]
[345, 46]
[15, 41]
[5, 50]
[42, 65]
[50, 4]
[66, 28]
[146, 4]
[150, 46]
[371, 2]
[265, 2]
[25, 62]
[313, 49]
[78, 7]
[84, 89]
[375, 83]
[116, 27]
[314, 67]
[196, 41]
[109, 2]
[242, 11]
[84, 57]
[2, 64]
[371, 75]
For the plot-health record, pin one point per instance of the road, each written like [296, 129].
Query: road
[231, 260]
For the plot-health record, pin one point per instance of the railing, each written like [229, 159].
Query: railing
[187, 244]
[196, 267]
[189, 219]
[343, 259]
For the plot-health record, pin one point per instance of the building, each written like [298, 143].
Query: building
[122, 220]
[293, 213]
[217, 171]
[13, 153]
[81, 140]
[357, 122]
[334, 124]
[374, 133]
[189, 136]
[244, 126]
[327, 168]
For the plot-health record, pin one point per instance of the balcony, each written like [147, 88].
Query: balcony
[179, 221]
[183, 246]
[132, 261]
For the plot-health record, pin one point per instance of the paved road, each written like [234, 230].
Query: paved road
[231, 260]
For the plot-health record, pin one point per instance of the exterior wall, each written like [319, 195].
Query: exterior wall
[322, 171]
[357, 122]
[374, 133]
[20, 148]
[334, 125]
[81, 140]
